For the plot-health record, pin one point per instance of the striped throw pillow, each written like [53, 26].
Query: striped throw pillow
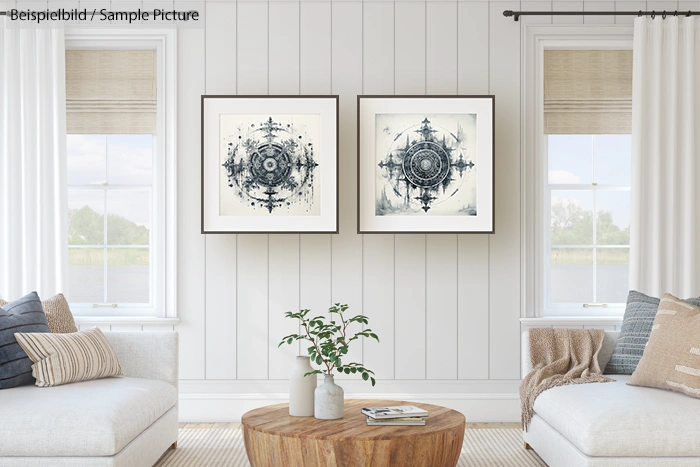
[671, 359]
[69, 358]
[58, 314]
[23, 315]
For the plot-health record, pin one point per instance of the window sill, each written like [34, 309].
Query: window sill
[137, 320]
[572, 321]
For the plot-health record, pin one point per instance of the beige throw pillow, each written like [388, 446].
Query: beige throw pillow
[57, 312]
[68, 358]
[671, 358]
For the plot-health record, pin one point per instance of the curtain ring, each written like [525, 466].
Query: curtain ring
[640, 14]
[653, 14]
[688, 15]
[675, 13]
[663, 16]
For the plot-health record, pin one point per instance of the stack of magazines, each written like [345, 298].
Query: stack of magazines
[403, 415]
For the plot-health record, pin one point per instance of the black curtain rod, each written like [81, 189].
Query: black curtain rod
[517, 14]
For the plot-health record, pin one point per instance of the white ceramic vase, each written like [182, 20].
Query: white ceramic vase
[301, 389]
[329, 400]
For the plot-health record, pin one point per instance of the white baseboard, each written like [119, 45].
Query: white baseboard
[229, 407]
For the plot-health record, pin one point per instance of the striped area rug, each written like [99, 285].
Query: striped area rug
[219, 447]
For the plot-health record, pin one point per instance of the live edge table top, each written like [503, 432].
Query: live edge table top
[275, 419]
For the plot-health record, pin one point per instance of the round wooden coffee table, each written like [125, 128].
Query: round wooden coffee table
[274, 439]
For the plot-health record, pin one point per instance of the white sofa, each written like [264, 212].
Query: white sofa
[127, 421]
[613, 424]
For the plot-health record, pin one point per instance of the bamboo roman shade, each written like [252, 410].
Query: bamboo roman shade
[587, 91]
[111, 91]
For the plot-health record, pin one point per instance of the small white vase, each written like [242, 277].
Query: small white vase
[301, 389]
[329, 400]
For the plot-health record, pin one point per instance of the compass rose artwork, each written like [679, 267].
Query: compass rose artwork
[269, 164]
[426, 164]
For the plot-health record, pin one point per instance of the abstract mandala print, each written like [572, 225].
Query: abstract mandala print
[426, 168]
[270, 166]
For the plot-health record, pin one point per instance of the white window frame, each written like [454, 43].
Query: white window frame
[163, 246]
[534, 176]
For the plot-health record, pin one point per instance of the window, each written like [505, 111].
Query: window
[110, 215]
[577, 171]
[588, 201]
[120, 173]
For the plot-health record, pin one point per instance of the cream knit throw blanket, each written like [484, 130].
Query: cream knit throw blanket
[560, 357]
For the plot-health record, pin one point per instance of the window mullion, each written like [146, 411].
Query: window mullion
[104, 240]
[595, 223]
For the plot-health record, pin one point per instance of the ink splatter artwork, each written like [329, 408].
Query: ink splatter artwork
[269, 165]
[425, 165]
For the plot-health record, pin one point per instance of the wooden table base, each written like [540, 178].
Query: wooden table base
[273, 439]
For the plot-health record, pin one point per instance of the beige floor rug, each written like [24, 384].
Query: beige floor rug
[219, 447]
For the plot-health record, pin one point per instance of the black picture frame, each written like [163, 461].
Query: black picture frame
[418, 98]
[205, 229]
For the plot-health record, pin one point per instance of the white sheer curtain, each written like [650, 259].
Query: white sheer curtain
[33, 205]
[665, 229]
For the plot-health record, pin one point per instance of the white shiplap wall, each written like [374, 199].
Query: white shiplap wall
[446, 306]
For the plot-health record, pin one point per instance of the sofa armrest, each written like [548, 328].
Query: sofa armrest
[149, 355]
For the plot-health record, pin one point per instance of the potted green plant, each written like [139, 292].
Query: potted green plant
[330, 340]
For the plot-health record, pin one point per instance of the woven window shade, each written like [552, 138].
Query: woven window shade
[111, 91]
[588, 91]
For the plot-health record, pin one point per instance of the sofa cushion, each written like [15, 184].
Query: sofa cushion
[636, 326]
[69, 357]
[90, 418]
[22, 315]
[617, 420]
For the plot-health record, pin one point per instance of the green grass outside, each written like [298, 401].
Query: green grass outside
[115, 256]
[584, 256]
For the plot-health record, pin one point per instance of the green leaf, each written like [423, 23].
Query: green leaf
[373, 381]
[365, 376]
[290, 340]
[337, 361]
[346, 370]
[319, 360]
[354, 370]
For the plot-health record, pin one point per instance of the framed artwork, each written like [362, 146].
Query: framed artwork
[425, 164]
[269, 164]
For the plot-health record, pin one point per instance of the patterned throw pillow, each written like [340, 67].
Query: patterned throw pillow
[23, 315]
[672, 357]
[634, 335]
[57, 312]
[68, 358]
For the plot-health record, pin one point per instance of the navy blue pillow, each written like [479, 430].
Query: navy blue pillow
[23, 315]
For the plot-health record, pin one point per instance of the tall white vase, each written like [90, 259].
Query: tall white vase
[301, 389]
[329, 400]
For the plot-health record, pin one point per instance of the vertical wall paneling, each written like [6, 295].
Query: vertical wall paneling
[346, 287]
[473, 250]
[252, 265]
[253, 307]
[126, 327]
[410, 253]
[598, 6]
[567, 6]
[220, 276]
[410, 60]
[190, 248]
[441, 47]
[315, 63]
[252, 48]
[441, 250]
[316, 41]
[628, 6]
[283, 260]
[504, 249]
[540, 5]
[378, 250]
